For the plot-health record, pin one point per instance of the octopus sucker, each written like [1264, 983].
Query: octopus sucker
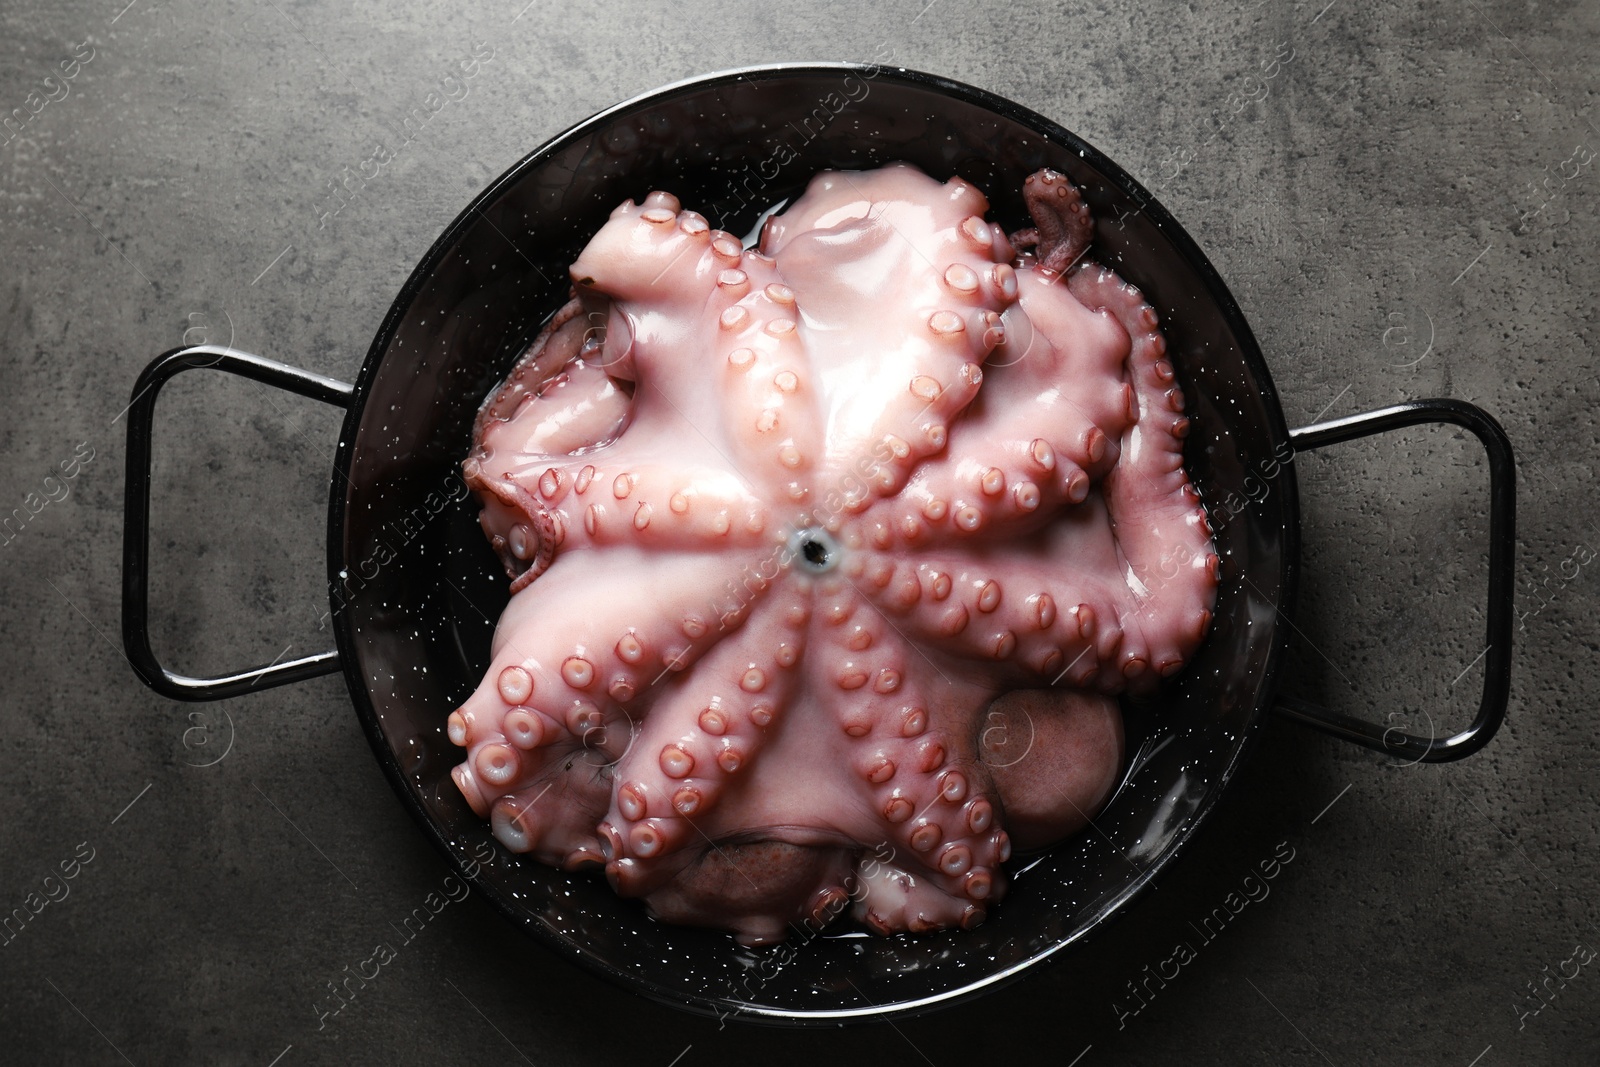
[789, 529]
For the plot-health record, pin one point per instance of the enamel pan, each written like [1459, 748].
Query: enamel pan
[414, 589]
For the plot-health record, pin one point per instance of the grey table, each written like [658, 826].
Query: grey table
[1406, 208]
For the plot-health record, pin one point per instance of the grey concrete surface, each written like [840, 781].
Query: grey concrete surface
[1403, 215]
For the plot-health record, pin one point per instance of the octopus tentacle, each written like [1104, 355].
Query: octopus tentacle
[526, 548]
[1161, 528]
[907, 740]
[556, 345]
[1024, 240]
[863, 249]
[1064, 225]
[768, 392]
[568, 666]
[1021, 618]
[1057, 403]
[703, 732]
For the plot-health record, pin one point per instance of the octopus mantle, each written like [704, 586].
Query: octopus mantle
[829, 557]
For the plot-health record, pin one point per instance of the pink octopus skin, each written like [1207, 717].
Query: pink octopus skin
[790, 529]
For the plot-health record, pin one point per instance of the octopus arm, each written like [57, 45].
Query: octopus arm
[1015, 609]
[570, 665]
[910, 746]
[706, 729]
[1172, 569]
[1046, 427]
[901, 266]
[1063, 226]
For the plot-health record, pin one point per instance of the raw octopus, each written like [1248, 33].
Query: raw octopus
[829, 557]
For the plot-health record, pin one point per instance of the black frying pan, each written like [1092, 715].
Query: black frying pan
[413, 584]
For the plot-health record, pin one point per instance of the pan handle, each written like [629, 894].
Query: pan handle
[136, 532]
[1502, 544]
